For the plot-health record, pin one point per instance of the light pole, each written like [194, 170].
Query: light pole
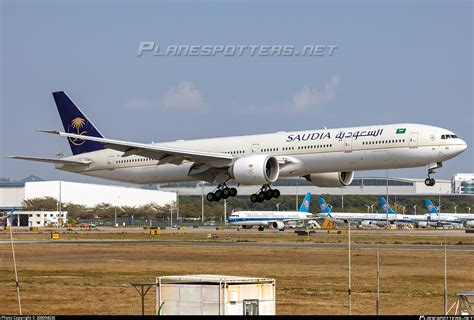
[342, 197]
[225, 212]
[469, 209]
[403, 209]
[414, 207]
[60, 154]
[278, 206]
[387, 198]
[372, 207]
[368, 208]
[350, 282]
[296, 201]
[202, 202]
[177, 207]
[171, 216]
[456, 209]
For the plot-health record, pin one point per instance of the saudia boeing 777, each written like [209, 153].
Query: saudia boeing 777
[327, 158]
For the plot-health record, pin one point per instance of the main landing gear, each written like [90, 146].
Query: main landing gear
[222, 192]
[265, 193]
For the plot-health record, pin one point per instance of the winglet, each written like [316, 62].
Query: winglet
[48, 131]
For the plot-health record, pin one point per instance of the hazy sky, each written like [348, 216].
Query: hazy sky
[395, 62]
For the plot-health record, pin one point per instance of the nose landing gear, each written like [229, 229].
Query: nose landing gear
[429, 182]
[265, 193]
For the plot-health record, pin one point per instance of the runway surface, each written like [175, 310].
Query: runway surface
[253, 244]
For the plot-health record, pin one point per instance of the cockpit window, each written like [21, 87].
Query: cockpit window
[448, 136]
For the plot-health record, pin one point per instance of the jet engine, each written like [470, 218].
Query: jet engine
[257, 169]
[422, 224]
[331, 179]
[469, 224]
[278, 225]
[367, 223]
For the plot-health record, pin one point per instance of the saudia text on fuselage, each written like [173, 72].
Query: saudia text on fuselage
[311, 136]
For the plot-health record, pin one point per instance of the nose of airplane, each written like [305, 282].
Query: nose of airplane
[463, 145]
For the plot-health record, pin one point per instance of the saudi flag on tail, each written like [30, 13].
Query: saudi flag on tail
[401, 130]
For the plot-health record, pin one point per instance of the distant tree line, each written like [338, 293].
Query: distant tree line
[190, 206]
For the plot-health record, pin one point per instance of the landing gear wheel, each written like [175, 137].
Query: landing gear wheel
[253, 198]
[233, 192]
[225, 193]
[268, 194]
[210, 197]
[218, 194]
[260, 228]
[275, 193]
[260, 196]
[430, 182]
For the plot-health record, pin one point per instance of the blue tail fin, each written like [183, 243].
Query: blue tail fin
[385, 206]
[306, 202]
[74, 121]
[325, 209]
[430, 207]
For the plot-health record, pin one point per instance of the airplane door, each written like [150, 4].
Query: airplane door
[413, 140]
[110, 162]
[348, 145]
[255, 148]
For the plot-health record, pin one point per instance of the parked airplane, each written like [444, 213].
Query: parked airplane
[361, 219]
[327, 157]
[466, 219]
[274, 219]
[422, 221]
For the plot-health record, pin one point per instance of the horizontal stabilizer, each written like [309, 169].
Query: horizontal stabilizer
[55, 161]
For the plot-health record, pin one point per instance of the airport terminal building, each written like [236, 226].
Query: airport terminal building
[359, 186]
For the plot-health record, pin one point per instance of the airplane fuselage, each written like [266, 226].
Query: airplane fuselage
[313, 151]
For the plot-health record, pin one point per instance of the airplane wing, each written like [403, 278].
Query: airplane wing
[53, 160]
[162, 153]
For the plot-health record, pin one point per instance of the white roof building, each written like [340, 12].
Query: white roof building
[85, 194]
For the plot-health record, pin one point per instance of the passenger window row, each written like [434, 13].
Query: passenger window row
[134, 160]
[383, 141]
[315, 146]
[233, 152]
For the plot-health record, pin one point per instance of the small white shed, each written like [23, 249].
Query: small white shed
[215, 295]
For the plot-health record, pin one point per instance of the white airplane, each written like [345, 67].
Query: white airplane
[466, 219]
[275, 219]
[363, 219]
[327, 157]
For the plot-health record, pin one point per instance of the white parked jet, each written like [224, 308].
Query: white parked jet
[327, 157]
[466, 219]
[362, 219]
[274, 219]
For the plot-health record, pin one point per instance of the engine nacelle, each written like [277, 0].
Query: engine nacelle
[422, 224]
[278, 225]
[367, 223]
[331, 179]
[257, 169]
[469, 224]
